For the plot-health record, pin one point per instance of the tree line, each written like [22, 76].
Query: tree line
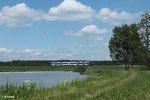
[46, 62]
[130, 43]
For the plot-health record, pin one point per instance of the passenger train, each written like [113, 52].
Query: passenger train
[71, 63]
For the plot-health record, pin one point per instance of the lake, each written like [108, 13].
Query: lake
[40, 78]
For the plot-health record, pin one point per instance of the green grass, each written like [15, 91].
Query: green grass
[60, 68]
[107, 84]
[34, 68]
[48, 68]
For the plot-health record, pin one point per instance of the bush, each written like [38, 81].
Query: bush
[80, 69]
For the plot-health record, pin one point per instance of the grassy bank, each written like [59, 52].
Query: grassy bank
[109, 84]
[33, 68]
[49, 68]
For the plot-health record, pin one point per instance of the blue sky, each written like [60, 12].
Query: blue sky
[63, 29]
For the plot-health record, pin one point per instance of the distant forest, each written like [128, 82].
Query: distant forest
[46, 62]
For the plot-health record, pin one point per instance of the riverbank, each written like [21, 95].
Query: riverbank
[50, 68]
[33, 68]
[110, 84]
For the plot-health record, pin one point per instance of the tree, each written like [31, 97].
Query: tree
[144, 32]
[135, 44]
[125, 44]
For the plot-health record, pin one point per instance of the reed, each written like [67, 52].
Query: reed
[104, 84]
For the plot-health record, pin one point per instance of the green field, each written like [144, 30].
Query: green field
[60, 68]
[105, 83]
[34, 68]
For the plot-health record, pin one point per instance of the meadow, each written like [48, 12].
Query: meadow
[104, 83]
[33, 68]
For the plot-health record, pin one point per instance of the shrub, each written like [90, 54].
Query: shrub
[80, 69]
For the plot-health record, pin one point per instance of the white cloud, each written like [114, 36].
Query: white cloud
[27, 52]
[90, 32]
[70, 10]
[18, 15]
[24, 54]
[30, 52]
[5, 51]
[22, 15]
[109, 16]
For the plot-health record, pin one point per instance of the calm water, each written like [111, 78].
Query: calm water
[41, 78]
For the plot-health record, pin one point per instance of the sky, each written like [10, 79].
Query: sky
[63, 29]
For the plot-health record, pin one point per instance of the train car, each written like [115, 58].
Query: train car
[71, 63]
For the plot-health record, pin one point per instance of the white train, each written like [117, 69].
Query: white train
[71, 63]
